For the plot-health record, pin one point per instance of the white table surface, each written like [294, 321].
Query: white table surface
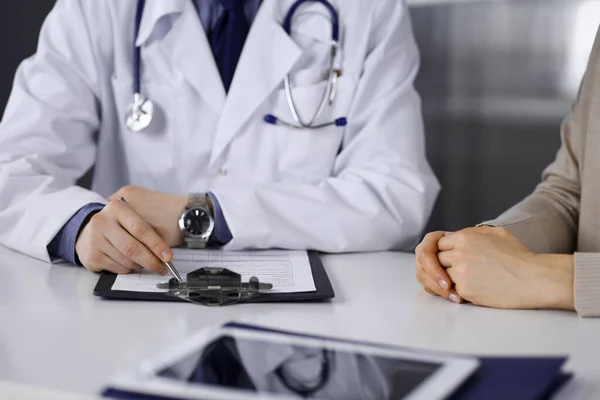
[423, 3]
[54, 333]
[22, 391]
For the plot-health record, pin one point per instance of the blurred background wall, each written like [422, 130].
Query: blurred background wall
[20, 22]
[497, 78]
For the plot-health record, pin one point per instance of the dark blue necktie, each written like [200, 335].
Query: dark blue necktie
[227, 38]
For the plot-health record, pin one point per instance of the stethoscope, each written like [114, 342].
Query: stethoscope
[332, 81]
[140, 112]
[305, 389]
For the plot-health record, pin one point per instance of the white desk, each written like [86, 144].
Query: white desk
[54, 333]
[21, 391]
[423, 3]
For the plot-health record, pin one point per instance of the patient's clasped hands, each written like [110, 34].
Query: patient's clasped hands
[489, 266]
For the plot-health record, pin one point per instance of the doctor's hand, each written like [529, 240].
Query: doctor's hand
[119, 240]
[158, 209]
[491, 267]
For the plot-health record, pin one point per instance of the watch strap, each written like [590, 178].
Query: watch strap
[198, 200]
[193, 243]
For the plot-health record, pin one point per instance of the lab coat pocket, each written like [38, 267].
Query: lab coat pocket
[309, 154]
[149, 152]
[309, 76]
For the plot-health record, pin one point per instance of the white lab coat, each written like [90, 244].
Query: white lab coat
[364, 187]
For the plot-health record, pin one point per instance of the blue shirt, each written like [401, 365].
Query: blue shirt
[63, 244]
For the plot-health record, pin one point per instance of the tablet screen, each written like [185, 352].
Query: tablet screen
[308, 372]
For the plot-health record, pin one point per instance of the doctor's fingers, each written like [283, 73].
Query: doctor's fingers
[135, 251]
[432, 287]
[96, 260]
[107, 248]
[141, 230]
[129, 247]
[427, 259]
[101, 262]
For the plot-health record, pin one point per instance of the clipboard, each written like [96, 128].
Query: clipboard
[324, 290]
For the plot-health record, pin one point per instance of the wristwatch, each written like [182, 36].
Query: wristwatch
[197, 221]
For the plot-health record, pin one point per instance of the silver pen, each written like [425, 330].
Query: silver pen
[170, 266]
[173, 270]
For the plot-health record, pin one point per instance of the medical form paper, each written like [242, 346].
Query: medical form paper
[288, 271]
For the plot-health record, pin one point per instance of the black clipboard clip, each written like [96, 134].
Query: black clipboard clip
[214, 287]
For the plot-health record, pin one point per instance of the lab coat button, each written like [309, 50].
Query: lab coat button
[223, 171]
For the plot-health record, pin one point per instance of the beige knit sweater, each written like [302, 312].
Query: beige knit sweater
[563, 213]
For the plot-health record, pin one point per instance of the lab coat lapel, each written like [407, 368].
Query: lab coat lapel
[186, 45]
[268, 55]
[154, 11]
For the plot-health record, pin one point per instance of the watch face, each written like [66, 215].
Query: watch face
[196, 222]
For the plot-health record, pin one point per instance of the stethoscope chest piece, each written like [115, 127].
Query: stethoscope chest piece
[139, 113]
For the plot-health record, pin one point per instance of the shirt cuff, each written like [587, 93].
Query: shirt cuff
[221, 234]
[63, 244]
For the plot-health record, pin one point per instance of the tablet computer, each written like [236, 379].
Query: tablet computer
[230, 363]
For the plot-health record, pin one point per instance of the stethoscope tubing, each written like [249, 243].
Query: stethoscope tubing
[136, 113]
[331, 88]
[137, 54]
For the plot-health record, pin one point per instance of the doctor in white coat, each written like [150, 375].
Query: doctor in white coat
[365, 186]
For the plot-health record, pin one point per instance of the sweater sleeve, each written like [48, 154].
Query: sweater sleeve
[547, 221]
